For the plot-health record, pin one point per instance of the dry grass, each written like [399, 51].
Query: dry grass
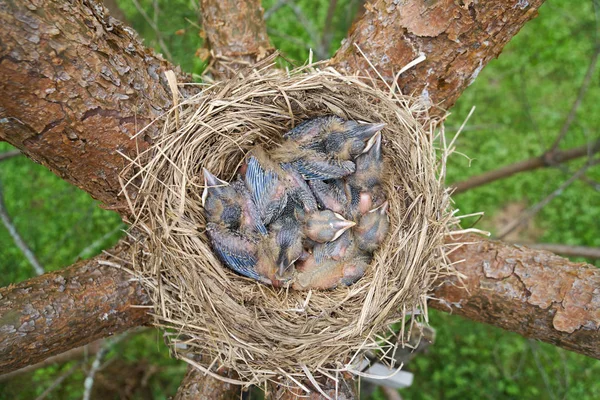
[261, 332]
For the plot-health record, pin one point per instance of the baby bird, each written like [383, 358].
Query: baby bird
[363, 188]
[331, 144]
[240, 253]
[285, 241]
[326, 226]
[272, 184]
[330, 195]
[335, 136]
[267, 189]
[230, 205]
[372, 228]
[329, 273]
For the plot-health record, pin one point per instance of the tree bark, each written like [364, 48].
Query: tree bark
[61, 310]
[76, 87]
[236, 32]
[458, 38]
[531, 292]
[197, 386]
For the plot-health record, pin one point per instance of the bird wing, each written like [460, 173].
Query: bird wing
[323, 168]
[237, 253]
[264, 187]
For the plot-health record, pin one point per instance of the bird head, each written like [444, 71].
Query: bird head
[326, 226]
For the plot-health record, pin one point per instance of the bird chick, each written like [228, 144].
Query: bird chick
[334, 135]
[372, 228]
[242, 254]
[230, 205]
[331, 196]
[272, 183]
[363, 188]
[330, 144]
[330, 273]
[337, 249]
[325, 226]
[285, 242]
[262, 177]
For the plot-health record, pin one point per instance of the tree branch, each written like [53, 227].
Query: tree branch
[61, 310]
[534, 293]
[458, 38]
[582, 91]
[198, 386]
[19, 242]
[70, 101]
[566, 250]
[551, 158]
[235, 31]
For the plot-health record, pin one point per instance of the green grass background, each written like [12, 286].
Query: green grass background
[522, 100]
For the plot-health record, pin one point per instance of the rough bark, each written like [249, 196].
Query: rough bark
[531, 292]
[76, 86]
[197, 386]
[458, 38]
[87, 350]
[236, 32]
[61, 310]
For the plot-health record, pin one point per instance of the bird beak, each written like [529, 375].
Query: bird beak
[341, 225]
[210, 181]
[282, 269]
[382, 209]
[375, 140]
[374, 145]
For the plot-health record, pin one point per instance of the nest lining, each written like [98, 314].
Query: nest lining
[216, 318]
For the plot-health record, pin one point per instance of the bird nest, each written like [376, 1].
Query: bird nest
[213, 317]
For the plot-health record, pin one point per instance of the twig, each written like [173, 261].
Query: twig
[154, 27]
[534, 349]
[9, 154]
[89, 380]
[309, 28]
[327, 36]
[274, 9]
[582, 90]
[566, 250]
[12, 230]
[529, 213]
[304, 22]
[96, 244]
[60, 380]
[545, 160]
[96, 365]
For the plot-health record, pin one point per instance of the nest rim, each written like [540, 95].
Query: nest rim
[218, 318]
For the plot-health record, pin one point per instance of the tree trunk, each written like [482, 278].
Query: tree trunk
[458, 38]
[76, 87]
[61, 310]
[236, 33]
[534, 293]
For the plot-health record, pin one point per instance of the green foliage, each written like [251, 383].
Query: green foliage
[522, 100]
